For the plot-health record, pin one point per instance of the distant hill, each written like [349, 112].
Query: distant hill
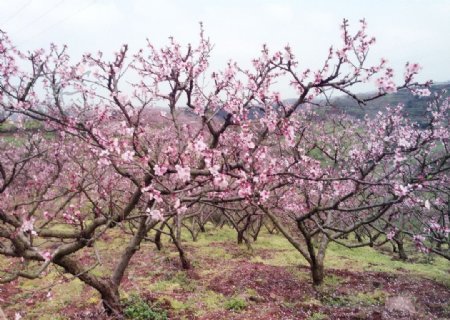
[414, 106]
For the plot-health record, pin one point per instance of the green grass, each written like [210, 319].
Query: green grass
[369, 259]
[137, 309]
[188, 295]
[235, 304]
[318, 316]
[359, 299]
[173, 282]
[356, 259]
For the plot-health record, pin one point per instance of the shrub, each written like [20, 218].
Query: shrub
[138, 309]
[236, 304]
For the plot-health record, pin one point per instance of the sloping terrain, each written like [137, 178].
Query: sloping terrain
[228, 281]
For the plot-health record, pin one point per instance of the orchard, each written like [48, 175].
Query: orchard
[154, 144]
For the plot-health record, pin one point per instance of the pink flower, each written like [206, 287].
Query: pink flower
[411, 69]
[127, 156]
[245, 189]
[159, 170]
[391, 234]
[28, 226]
[47, 255]
[200, 145]
[386, 85]
[47, 215]
[155, 214]
[264, 195]
[183, 173]
[421, 92]
[401, 190]
[220, 181]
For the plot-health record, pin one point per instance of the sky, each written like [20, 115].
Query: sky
[406, 30]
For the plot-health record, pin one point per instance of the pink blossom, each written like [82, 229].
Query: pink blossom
[183, 173]
[401, 190]
[155, 214]
[28, 226]
[264, 195]
[391, 234]
[159, 170]
[128, 156]
[421, 92]
[47, 255]
[220, 181]
[199, 145]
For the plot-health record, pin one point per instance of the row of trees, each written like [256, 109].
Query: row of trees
[154, 141]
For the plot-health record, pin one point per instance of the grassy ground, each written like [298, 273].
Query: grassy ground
[228, 281]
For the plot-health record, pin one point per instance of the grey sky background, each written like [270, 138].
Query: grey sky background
[406, 30]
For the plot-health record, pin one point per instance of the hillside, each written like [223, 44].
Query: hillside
[415, 107]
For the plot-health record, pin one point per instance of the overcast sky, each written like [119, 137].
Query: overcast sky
[406, 30]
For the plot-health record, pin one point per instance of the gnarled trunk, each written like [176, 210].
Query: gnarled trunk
[111, 300]
[109, 291]
[185, 263]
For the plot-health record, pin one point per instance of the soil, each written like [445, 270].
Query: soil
[270, 292]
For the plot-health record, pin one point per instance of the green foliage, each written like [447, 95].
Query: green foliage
[318, 316]
[374, 298]
[138, 309]
[332, 281]
[174, 281]
[236, 304]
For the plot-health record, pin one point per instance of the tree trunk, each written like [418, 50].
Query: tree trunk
[185, 264]
[178, 221]
[394, 247]
[317, 261]
[109, 291]
[401, 250]
[240, 236]
[317, 272]
[222, 223]
[202, 227]
[192, 230]
[158, 242]
[111, 300]
[257, 229]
